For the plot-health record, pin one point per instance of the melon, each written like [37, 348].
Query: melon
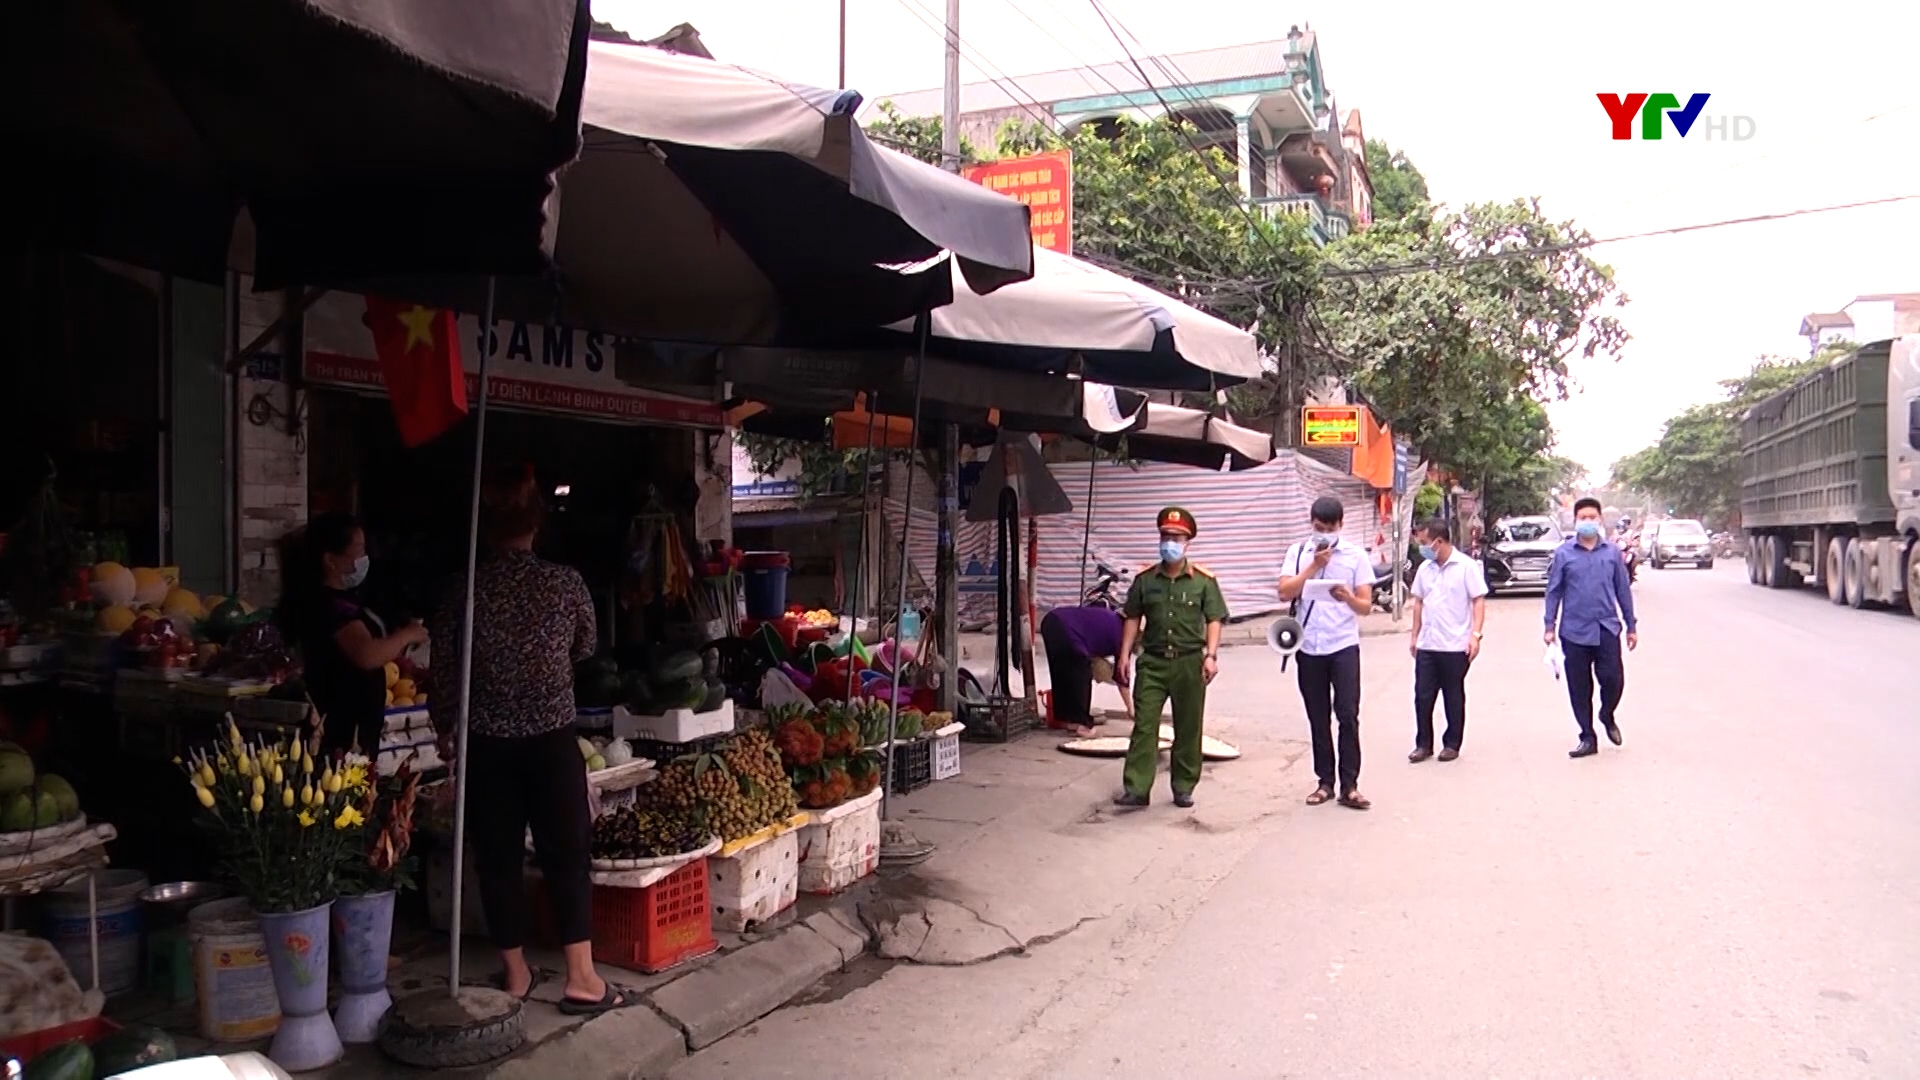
[133, 1047]
[63, 794]
[16, 772]
[112, 584]
[68, 1061]
[184, 604]
[114, 619]
[46, 811]
[149, 586]
[16, 813]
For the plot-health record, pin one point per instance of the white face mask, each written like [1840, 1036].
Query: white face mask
[352, 579]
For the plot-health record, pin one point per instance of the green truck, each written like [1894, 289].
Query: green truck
[1830, 480]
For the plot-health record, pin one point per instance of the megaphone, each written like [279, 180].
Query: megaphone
[1285, 635]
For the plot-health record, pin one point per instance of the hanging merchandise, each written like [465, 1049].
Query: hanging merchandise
[42, 551]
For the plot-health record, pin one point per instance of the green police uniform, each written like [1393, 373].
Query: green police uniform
[1176, 606]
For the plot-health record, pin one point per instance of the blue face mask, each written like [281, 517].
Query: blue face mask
[1429, 552]
[1588, 530]
[1172, 551]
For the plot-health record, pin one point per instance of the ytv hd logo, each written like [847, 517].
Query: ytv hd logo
[1655, 109]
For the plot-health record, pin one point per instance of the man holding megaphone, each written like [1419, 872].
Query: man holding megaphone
[1331, 586]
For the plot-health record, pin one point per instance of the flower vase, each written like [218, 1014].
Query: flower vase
[297, 952]
[362, 933]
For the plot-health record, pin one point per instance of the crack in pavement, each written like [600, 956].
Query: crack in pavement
[1015, 949]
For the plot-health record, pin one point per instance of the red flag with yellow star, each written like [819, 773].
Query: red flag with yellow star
[419, 351]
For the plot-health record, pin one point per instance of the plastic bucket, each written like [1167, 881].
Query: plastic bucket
[230, 973]
[117, 899]
[766, 592]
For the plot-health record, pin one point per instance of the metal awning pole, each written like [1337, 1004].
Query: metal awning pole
[464, 713]
[1086, 533]
[906, 531]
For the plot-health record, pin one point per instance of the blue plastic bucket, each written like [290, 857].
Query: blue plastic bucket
[117, 894]
[766, 592]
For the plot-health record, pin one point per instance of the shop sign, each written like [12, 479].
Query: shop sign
[1045, 183]
[1330, 425]
[540, 368]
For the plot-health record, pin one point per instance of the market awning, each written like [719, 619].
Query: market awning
[365, 137]
[1076, 317]
[1193, 437]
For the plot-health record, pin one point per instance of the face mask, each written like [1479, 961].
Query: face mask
[1588, 530]
[358, 574]
[1429, 552]
[1322, 541]
[1171, 551]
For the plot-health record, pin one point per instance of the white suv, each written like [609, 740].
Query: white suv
[1681, 540]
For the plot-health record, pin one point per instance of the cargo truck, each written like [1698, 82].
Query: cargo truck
[1830, 480]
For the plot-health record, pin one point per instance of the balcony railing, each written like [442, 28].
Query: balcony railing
[1325, 225]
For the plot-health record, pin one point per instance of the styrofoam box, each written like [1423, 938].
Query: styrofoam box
[675, 725]
[946, 751]
[840, 846]
[756, 883]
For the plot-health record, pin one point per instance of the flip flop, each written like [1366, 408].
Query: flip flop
[1353, 800]
[1320, 796]
[540, 975]
[616, 997]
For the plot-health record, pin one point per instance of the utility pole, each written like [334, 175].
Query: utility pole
[946, 561]
[843, 45]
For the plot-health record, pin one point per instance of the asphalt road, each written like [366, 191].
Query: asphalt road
[1734, 893]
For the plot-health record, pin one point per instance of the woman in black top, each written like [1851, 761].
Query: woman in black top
[345, 647]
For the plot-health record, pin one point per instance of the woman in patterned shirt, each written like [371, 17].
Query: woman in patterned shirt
[533, 621]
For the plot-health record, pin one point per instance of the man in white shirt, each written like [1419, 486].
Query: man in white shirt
[1329, 658]
[1449, 609]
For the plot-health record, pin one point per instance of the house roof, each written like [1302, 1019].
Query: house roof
[1825, 321]
[1260, 58]
[683, 39]
[1351, 125]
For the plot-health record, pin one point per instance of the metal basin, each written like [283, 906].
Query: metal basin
[168, 904]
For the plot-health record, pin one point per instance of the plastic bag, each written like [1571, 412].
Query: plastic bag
[776, 690]
[1556, 662]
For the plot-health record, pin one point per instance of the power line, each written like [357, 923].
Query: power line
[1579, 245]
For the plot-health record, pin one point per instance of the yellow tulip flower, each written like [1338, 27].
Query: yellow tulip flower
[256, 804]
[206, 797]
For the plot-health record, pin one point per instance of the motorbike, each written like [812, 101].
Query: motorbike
[1383, 584]
[1630, 554]
[1106, 589]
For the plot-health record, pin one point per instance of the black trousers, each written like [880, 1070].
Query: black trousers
[1438, 675]
[536, 782]
[1072, 676]
[1586, 665]
[1330, 689]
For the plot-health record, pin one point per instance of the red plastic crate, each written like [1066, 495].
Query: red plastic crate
[34, 1043]
[669, 922]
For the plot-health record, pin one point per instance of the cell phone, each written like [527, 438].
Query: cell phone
[1321, 541]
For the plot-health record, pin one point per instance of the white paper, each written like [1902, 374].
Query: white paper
[1319, 589]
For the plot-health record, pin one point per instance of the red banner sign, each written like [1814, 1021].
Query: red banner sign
[1045, 183]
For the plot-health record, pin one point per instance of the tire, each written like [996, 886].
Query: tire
[1753, 560]
[444, 1048]
[1913, 577]
[1857, 575]
[1779, 574]
[1837, 570]
[1706, 564]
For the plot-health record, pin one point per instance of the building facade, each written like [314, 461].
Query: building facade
[1265, 105]
[1874, 317]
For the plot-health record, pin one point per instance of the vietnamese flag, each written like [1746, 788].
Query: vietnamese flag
[419, 351]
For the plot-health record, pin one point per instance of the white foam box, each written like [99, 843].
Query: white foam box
[673, 726]
[840, 846]
[946, 751]
[755, 883]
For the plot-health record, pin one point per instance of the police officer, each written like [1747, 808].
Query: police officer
[1180, 602]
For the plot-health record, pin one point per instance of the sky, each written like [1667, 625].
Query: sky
[1496, 100]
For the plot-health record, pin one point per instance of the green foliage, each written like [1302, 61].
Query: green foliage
[1426, 501]
[823, 469]
[1398, 187]
[1695, 466]
[915, 136]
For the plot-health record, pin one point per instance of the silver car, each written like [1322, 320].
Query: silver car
[1680, 540]
[1519, 552]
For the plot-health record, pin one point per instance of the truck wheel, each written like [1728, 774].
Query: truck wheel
[1779, 574]
[1913, 577]
[1753, 560]
[1857, 575]
[1837, 570]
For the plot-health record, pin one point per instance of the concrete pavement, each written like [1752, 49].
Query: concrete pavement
[1734, 893]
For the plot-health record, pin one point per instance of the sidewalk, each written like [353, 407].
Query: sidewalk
[977, 648]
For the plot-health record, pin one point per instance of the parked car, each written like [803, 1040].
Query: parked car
[1680, 540]
[1518, 552]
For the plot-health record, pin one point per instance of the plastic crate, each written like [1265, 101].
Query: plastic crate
[652, 929]
[946, 752]
[34, 1043]
[996, 720]
[663, 754]
[912, 765]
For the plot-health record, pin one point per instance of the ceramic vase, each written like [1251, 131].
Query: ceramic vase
[297, 950]
[362, 934]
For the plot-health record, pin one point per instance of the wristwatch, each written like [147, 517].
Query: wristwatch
[1478, 634]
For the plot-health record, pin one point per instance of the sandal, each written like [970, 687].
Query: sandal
[1353, 800]
[616, 997]
[539, 976]
[1320, 795]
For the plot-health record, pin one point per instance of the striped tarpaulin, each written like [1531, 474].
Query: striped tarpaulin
[1247, 519]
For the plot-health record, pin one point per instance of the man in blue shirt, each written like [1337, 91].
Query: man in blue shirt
[1589, 601]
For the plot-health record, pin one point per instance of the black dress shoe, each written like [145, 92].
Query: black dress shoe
[1613, 733]
[1183, 799]
[1448, 753]
[1420, 754]
[1127, 800]
[1587, 748]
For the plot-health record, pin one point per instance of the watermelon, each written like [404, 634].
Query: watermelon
[598, 689]
[689, 693]
[716, 696]
[641, 699]
[68, 1061]
[603, 664]
[225, 620]
[678, 668]
[133, 1047]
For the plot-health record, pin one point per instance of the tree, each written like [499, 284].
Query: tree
[1398, 187]
[1459, 358]
[1695, 466]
